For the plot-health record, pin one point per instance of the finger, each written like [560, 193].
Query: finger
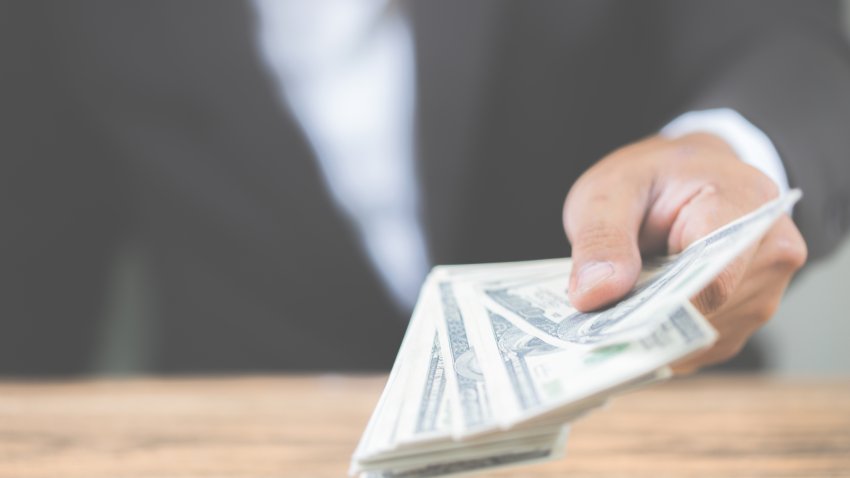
[705, 212]
[602, 217]
[783, 248]
[780, 254]
[724, 286]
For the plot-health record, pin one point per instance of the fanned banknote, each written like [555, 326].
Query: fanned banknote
[496, 363]
[538, 305]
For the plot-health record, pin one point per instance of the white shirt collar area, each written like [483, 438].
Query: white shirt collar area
[345, 68]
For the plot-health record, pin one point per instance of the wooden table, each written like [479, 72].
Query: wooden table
[710, 426]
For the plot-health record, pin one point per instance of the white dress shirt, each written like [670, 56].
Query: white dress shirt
[747, 141]
[346, 70]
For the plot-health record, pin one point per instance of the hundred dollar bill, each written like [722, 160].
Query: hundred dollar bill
[471, 396]
[421, 440]
[504, 443]
[539, 378]
[539, 305]
[496, 361]
[524, 452]
[381, 434]
[426, 414]
[432, 414]
[467, 386]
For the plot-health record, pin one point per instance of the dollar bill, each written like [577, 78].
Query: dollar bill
[519, 453]
[467, 385]
[540, 379]
[496, 363]
[415, 434]
[539, 304]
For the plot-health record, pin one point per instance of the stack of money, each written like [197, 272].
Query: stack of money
[496, 363]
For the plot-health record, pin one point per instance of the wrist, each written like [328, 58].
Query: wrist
[751, 144]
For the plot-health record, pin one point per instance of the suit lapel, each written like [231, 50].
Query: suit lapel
[453, 48]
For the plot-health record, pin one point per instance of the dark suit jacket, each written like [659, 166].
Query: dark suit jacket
[156, 121]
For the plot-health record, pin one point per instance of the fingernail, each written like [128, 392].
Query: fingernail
[592, 274]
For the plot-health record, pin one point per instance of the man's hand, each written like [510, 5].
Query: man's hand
[657, 196]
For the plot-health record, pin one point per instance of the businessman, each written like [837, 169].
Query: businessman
[292, 169]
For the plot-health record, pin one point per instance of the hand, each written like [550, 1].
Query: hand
[657, 196]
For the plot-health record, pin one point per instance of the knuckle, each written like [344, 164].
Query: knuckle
[787, 248]
[602, 236]
[715, 294]
[791, 253]
[764, 315]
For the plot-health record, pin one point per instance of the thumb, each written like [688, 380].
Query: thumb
[602, 218]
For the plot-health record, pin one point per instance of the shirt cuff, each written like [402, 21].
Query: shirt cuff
[749, 142]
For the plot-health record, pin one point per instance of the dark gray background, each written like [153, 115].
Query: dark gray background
[807, 336]
[809, 333]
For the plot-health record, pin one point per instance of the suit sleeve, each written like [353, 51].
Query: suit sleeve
[785, 66]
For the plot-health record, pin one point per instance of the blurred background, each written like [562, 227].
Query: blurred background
[807, 336]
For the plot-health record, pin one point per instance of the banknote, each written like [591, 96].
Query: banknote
[467, 385]
[382, 428]
[537, 378]
[539, 305]
[411, 431]
[519, 453]
[496, 363]
[412, 437]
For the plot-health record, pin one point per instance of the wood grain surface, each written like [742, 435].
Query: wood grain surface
[307, 426]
